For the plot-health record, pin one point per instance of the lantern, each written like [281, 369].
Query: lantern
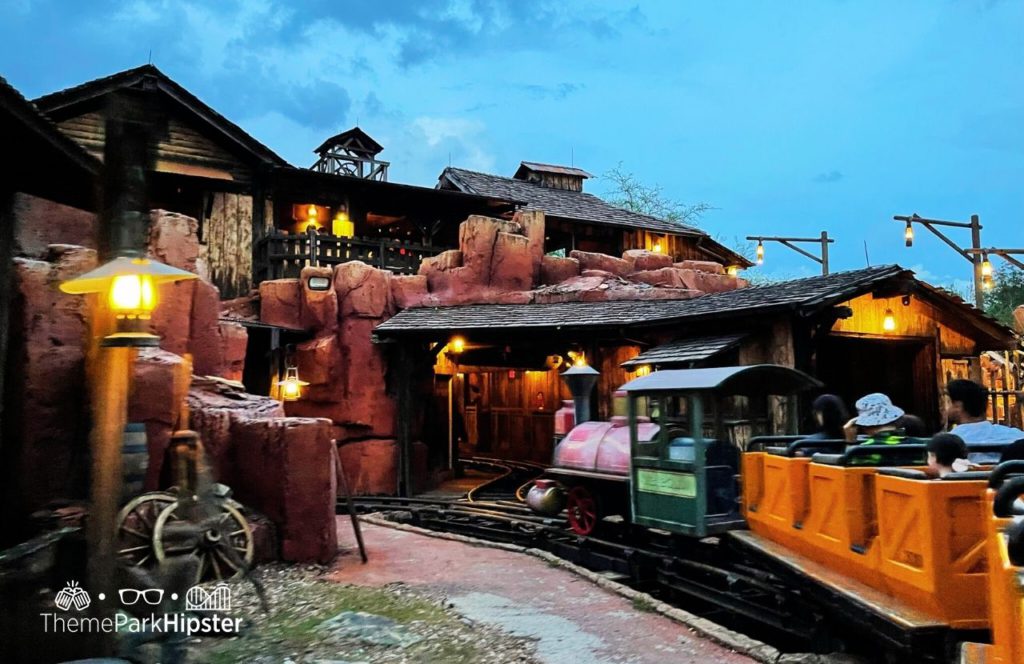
[342, 226]
[986, 272]
[760, 252]
[312, 218]
[129, 285]
[657, 247]
[291, 385]
[457, 345]
[908, 234]
[733, 270]
[889, 321]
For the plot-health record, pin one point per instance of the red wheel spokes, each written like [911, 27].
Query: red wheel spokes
[582, 510]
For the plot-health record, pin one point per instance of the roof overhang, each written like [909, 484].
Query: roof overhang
[745, 380]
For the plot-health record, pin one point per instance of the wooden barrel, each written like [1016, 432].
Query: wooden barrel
[134, 459]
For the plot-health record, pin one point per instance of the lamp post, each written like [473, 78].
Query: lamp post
[823, 241]
[973, 255]
[986, 266]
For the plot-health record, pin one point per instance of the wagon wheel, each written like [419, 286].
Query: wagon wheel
[584, 510]
[223, 541]
[135, 526]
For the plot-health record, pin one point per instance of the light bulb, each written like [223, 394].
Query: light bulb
[889, 322]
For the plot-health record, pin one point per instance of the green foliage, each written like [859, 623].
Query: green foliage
[626, 191]
[1006, 295]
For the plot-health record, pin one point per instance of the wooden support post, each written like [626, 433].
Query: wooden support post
[824, 252]
[109, 407]
[403, 427]
[977, 258]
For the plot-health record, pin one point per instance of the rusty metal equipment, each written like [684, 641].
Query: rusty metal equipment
[197, 517]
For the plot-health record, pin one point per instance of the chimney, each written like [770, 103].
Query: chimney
[551, 176]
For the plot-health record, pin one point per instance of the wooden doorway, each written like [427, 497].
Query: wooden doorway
[904, 368]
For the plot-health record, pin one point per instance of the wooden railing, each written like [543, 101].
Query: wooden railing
[283, 255]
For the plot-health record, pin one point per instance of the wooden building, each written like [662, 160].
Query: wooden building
[256, 212]
[872, 330]
[578, 220]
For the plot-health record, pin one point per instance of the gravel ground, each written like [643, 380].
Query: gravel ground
[312, 620]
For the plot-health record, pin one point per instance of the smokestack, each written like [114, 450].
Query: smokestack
[581, 378]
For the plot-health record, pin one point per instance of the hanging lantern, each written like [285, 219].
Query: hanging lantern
[986, 272]
[291, 385]
[312, 218]
[342, 226]
[889, 321]
[908, 234]
[129, 285]
[457, 345]
[760, 252]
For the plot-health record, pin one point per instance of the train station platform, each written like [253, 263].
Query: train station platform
[570, 617]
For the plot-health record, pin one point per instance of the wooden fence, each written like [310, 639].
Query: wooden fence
[283, 255]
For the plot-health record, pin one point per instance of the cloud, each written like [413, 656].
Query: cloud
[828, 177]
[557, 91]
[461, 138]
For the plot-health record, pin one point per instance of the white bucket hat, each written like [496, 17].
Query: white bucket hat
[876, 409]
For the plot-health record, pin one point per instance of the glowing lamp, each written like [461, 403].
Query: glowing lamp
[657, 247]
[889, 321]
[129, 285]
[733, 270]
[760, 252]
[342, 226]
[457, 345]
[908, 234]
[291, 385]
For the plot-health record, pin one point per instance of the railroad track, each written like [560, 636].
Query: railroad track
[710, 578]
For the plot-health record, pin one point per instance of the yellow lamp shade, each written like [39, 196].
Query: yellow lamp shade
[130, 288]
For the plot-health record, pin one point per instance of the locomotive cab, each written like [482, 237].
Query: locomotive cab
[684, 480]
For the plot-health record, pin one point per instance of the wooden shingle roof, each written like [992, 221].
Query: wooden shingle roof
[63, 103]
[684, 351]
[802, 296]
[573, 205]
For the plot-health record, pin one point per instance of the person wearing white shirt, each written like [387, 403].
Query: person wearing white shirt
[964, 405]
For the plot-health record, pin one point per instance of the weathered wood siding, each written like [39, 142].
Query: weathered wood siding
[680, 248]
[182, 150]
[918, 319]
[227, 243]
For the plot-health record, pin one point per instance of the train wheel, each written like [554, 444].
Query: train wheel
[584, 511]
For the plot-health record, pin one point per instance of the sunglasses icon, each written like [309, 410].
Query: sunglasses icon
[130, 596]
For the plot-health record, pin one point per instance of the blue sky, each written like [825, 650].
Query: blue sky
[789, 118]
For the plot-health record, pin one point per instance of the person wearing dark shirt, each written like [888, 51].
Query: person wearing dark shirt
[947, 453]
[830, 414]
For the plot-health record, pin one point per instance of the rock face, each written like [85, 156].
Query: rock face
[1018, 319]
[159, 389]
[285, 469]
[498, 261]
[41, 223]
[173, 239]
[45, 421]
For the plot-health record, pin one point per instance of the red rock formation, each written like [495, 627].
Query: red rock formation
[408, 291]
[280, 303]
[45, 418]
[591, 261]
[159, 389]
[285, 469]
[40, 223]
[555, 269]
[643, 260]
[173, 239]
[702, 266]
[319, 308]
[362, 290]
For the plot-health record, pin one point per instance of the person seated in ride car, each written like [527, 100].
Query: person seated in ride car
[830, 414]
[964, 406]
[947, 453]
[877, 422]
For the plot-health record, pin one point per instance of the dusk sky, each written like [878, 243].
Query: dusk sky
[789, 118]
